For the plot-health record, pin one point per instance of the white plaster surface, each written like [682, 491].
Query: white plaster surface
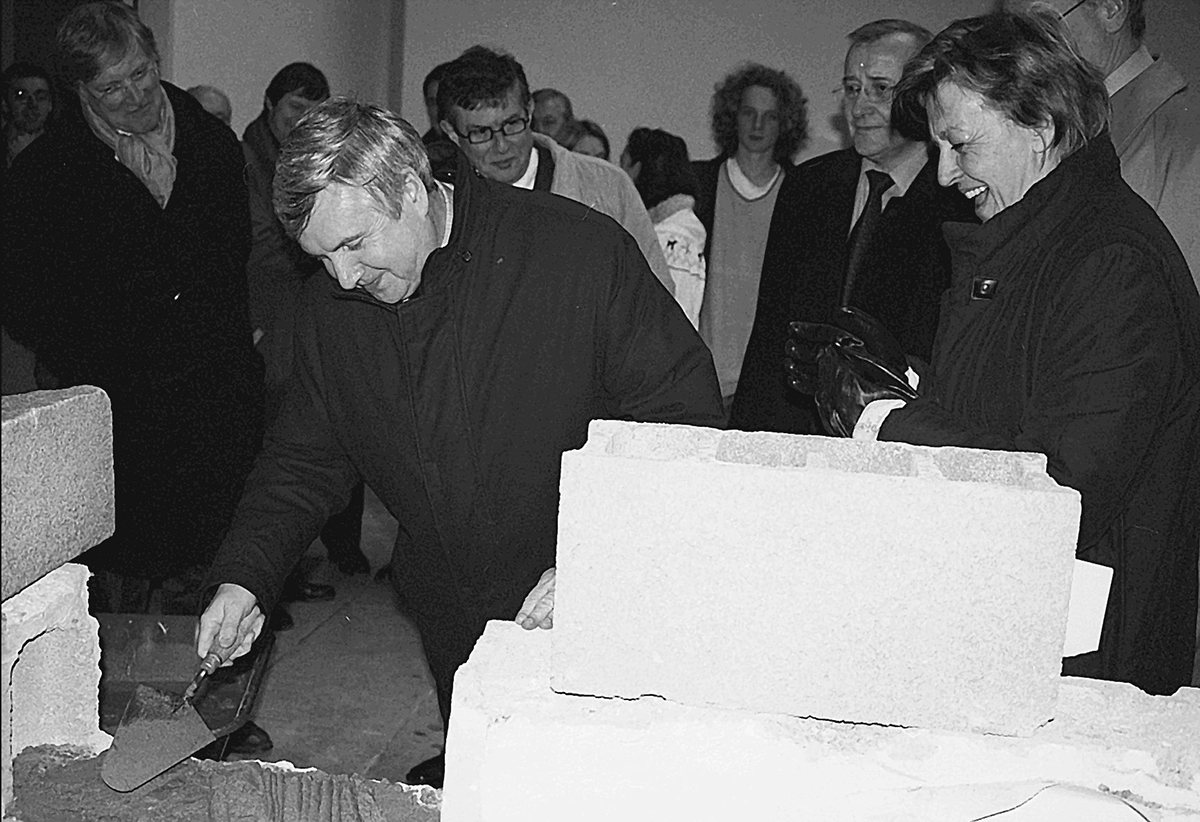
[519, 751]
[50, 669]
[811, 576]
[57, 480]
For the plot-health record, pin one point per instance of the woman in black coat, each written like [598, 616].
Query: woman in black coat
[127, 233]
[1071, 327]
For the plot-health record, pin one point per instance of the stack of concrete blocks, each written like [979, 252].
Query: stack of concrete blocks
[777, 627]
[57, 502]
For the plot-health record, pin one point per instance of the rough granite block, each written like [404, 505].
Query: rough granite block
[57, 480]
[519, 751]
[811, 576]
[50, 671]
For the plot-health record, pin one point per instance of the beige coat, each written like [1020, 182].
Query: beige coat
[609, 190]
[1156, 131]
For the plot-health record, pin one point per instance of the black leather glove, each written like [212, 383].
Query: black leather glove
[846, 364]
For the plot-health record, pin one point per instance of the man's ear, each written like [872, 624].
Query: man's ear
[1112, 15]
[449, 131]
[415, 193]
[270, 109]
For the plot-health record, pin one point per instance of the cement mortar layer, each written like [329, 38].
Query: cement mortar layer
[592, 758]
[57, 480]
[61, 784]
[817, 577]
[50, 667]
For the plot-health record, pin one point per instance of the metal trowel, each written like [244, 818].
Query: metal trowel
[157, 731]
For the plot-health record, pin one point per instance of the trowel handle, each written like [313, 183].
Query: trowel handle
[211, 662]
[207, 667]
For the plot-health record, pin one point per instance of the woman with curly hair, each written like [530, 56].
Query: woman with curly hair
[759, 121]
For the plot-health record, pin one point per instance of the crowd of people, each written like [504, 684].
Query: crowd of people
[1004, 256]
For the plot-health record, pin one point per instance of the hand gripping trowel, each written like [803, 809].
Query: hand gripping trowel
[159, 730]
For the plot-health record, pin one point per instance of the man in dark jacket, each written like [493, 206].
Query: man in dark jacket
[471, 335]
[902, 264]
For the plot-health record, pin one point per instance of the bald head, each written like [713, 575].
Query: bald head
[214, 102]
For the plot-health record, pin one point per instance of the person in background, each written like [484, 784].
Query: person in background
[1155, 114]
[276, 272]
[464, 339]
[836, 239]
[441, 151]
[551, 111]
[759, 121]
[28, 105]
[486, 108]
[215, 102]
[126, 233]
[658, 164]
[585, 137]
[1071, 327]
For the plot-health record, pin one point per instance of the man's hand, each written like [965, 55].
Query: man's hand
[233, 619]
[538, 610]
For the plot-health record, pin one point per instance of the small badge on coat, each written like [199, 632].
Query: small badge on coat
[983, 288]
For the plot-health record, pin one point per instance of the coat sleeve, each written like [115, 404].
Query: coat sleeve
[654, 366]
[300, 477]
[1100, 378]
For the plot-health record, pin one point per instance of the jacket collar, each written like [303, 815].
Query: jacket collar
[1082, 177]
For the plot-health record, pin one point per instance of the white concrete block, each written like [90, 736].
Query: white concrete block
[50, 670]
[57, 480]
[519, 751]
[869, 582]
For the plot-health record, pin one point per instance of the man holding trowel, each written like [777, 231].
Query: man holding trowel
[466, 338]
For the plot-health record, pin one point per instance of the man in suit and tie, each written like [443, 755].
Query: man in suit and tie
[859, 227]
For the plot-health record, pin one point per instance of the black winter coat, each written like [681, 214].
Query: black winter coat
[1087, 351]
[148, 303]
[456, 405]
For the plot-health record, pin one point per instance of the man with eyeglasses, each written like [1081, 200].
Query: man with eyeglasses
[486, 109]
[1155, 124]
[126, 233]
[859, 227]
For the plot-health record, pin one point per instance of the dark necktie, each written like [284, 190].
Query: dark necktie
[864, 229]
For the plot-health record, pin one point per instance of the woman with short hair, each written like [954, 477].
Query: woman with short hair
[1071, 327]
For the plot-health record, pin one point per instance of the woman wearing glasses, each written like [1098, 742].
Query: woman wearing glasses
[126, 237]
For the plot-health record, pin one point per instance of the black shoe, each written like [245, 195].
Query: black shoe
[350, 561]
[281, 619]
[430, 772]
[308, 592]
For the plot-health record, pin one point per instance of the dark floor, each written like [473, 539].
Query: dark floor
[347, 689]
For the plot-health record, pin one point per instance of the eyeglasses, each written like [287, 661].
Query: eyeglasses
[877, 91]
[484, 134]
[142, 78]
[1068, 11]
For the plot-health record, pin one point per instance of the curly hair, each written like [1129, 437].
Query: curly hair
[793, 109]
[1024, 65]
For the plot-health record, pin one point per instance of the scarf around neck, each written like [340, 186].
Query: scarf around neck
[149, 156]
